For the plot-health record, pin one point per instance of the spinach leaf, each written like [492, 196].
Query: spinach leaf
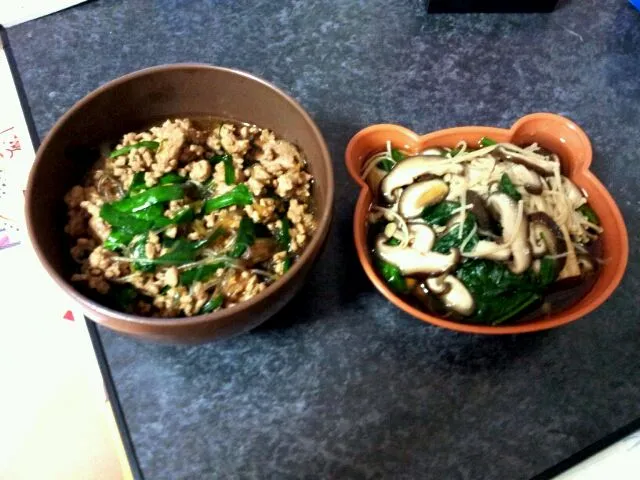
[507, 186]
[453, 152]
[453, 238]
[397, 155]
[124, 150]
[487, 142]
[499, 293]
[589, 214]
[213, 304]
[548, 271]
[392, 275]
[386, 165]
[240, 195]
[516, 303]
[440, 213]
[245, 237]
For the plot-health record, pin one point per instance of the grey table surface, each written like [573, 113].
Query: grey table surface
[341, 384]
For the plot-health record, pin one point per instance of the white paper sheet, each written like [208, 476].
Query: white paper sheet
[15, 12]
[16, 158]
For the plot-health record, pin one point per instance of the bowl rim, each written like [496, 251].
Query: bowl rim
[308, 254]
[363, 205]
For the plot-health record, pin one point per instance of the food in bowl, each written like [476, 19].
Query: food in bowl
[488, 234]
[190, 216]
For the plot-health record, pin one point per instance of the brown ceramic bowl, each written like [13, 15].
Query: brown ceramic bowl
[133, 102]
[551, 131]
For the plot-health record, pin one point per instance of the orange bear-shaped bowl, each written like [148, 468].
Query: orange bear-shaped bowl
[553, 132]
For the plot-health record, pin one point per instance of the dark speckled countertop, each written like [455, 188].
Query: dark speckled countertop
[340, 384]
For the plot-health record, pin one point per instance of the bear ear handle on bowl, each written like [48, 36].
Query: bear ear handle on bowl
[551, 131]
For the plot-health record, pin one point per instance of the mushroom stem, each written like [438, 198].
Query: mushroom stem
[411, 261]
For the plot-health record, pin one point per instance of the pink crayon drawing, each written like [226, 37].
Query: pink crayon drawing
[5, 241]
[9, 143]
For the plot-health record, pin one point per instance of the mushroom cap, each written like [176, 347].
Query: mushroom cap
[573, 193]
[520, 175]
[545, 236]
[411, 261]
[454, 295]
[410, 168]
[534, 162]
[586, 264]
[419, 195]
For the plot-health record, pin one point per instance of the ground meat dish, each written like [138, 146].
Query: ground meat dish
[190, 216]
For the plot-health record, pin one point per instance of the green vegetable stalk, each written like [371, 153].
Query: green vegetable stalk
[213, 304]
[139, 253]
[245, 237]
[229, 171]
[124, 221]
[200, 273]
[283, 237]
[151, 145]
[171, 178]
[240, 196]
[157, 194]
[137, 184]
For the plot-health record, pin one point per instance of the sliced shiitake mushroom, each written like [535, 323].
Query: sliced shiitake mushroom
[520, 175]
[419, 195]
[411, 261]
[586, 264]
[506, 211]
[536, 163]
[479, 210]
[422, 237]
[405, 172]
[546, 238]
[453, 294]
